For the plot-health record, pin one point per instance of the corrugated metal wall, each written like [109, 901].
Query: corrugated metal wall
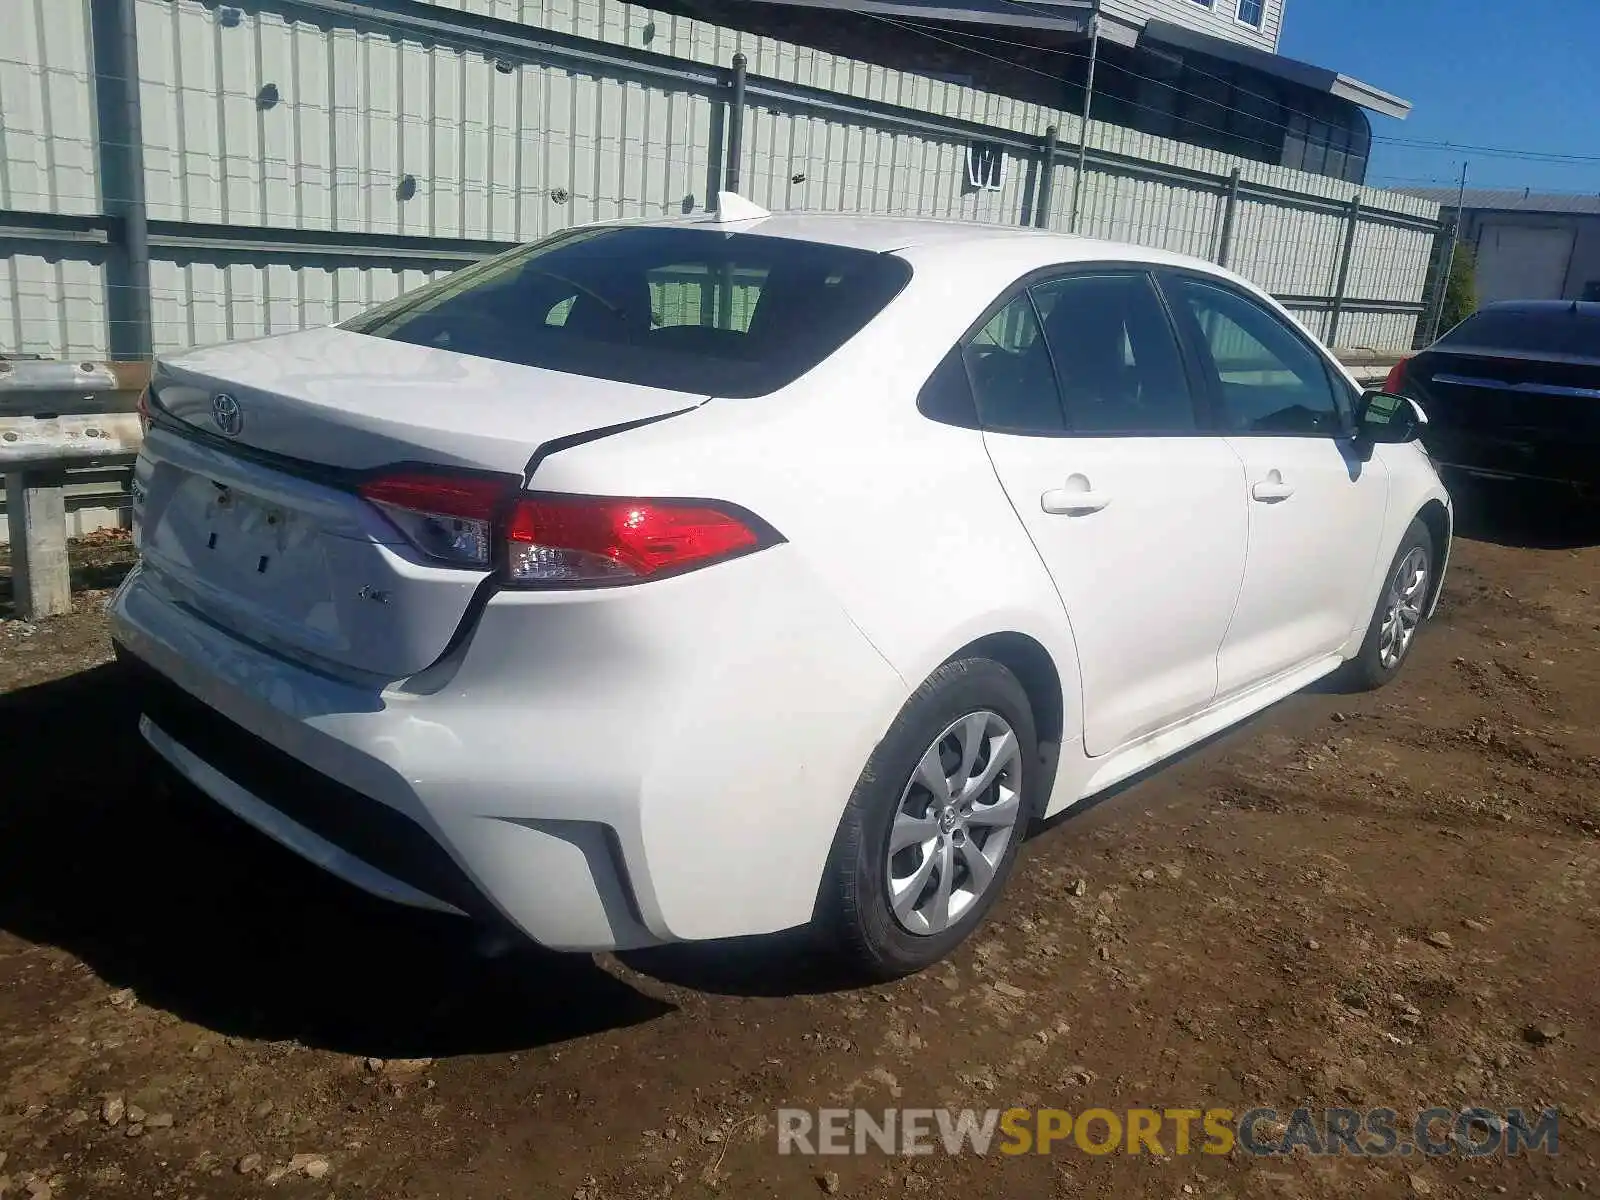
[52, 305]
[49, 303]
[47, 147]
[795, 160]
[275, 118]
[288, 123]
[199, 303]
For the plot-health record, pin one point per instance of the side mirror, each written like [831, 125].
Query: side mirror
[1386, 419]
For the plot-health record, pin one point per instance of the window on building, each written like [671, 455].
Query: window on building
[1204, 106]
[1251, 12]
[1229, 107]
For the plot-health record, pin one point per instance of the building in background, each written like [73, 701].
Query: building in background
[289, 163]
[1528, 246]
[1205, 72]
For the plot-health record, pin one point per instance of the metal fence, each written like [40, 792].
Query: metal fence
[68, 435]
[176, 172]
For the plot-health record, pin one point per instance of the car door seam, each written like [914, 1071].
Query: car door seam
[1055, 587]
[1244, 562]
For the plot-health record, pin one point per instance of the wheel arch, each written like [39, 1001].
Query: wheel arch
[1035, 669]
[1437, 519]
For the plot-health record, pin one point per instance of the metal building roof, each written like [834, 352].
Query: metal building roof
[1075, 16]
[1513, 200]
[1070, 16]
[1319, 79]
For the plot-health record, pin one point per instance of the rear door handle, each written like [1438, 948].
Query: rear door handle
[1271, 489]
[1070, 500]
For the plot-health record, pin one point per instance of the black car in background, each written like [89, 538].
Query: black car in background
[1513, 392]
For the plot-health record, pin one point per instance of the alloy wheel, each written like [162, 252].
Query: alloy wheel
[956, 817]
[1403, 608]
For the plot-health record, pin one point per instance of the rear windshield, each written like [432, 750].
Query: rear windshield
[1553, 330]
[694, 310]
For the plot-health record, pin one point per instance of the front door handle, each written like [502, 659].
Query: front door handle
[1076, 498]
[1271, 489]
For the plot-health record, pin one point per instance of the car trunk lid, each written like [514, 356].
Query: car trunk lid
[1509, 393]
[352, 402]
[1504, 413]
[248, 507]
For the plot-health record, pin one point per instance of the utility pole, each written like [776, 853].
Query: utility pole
[1083, 127]
[1450, 258]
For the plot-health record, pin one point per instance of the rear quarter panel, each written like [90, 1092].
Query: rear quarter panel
[901, 517]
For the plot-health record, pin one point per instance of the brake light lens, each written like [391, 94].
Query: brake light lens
[567, 540]
[1397, 376]
[559, 540]
[449, 518]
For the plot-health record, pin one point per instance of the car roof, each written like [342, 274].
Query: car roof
[890, 234]
[884, 235]
[877, 234]
[1546, 308]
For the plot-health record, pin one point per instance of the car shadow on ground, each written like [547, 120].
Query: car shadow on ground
[796, 963]
[791, 963]
[159, 891]
[1524, 516]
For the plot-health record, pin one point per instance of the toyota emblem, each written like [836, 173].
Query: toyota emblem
[226, 414]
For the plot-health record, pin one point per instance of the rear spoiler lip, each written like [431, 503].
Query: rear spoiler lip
[344, 479]
[1526, 387]
[1508, 354]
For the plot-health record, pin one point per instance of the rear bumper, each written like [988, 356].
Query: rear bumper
[1554, 481]
[603, 771]
[1573, 463]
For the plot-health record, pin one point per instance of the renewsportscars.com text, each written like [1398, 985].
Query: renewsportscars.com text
[1376, 1132]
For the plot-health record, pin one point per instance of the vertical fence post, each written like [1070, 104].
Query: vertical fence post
[1444, 254]
[1230, 218]
[735, 124]
[120, 166]
[1450, 258]
[37, 513]
[1083, 122]
[1353, 224]
[1047, 179]
[731, 180]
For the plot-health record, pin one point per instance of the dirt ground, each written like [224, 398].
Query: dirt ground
[1378, 900]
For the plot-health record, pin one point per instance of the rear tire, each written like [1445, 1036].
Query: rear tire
[1401, 607]
[932, 830]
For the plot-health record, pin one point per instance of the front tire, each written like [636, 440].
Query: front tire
[932, 830]
[1398, 616]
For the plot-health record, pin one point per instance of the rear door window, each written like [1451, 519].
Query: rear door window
[1115, 354]
[685, 308]
[1012, 379]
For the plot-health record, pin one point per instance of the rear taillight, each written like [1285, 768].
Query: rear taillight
[560, 540]
[449, 518]
[599, 539]
[1397, 378]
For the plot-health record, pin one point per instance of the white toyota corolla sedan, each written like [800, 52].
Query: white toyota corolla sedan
[673, 581]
